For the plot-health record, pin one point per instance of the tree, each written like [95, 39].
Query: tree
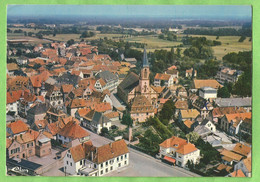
[70, 42]
[127, 120]
[167, 111]
[242, 38]
[223, 92]
[104, 131]
[192, 137]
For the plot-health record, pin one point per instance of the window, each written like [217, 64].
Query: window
[80, 162]
[117, 159]
[119, 164]
[111, 168]
[121, 157]
[125, 156]
[106, 163]
[71, 164]
[106, 170]
[101, 165]
[95, 166]
[101, 172]
[67, 162]
[125, 162]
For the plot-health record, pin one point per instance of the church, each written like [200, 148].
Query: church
[138, 94]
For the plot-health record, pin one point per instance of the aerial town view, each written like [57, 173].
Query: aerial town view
[129, 90]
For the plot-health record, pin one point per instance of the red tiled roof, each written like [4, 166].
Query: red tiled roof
[186, 149]
[160, 76]
[174, 142]
[238, 116]
[242, 149]
[67, 88]
[18, 127]
[238, 173]
[73, 131]
[102, 107]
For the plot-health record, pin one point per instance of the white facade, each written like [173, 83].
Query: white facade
[12, 107]
[181, 160]
[210, 126]
[208, 93]
[94, 169]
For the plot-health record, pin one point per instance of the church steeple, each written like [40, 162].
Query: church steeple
[145, 60]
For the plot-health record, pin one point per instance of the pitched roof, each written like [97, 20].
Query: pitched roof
[238, 116]
[248, 164]
[141, 104]
[99, 118]
[29, 136]
[181, 104]
[160, 76]
[189, 113]
[84, 111]
[242, 149]
[223, 166]
[221, 111]
[235, 102]
[12, 66]
[77, 152]
[112, 115]
[77, 103]
[229, 155]
[73, 131]
[130, 82]
[18, 127]
[238, 173]
[39, 108]
[102, 107]
[206, 83]
[188, 123]
[110, 151]
[174, 142]
[186, 149]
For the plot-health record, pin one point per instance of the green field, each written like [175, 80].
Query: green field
[229, 43]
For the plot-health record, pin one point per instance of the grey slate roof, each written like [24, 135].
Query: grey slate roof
[98, 118]
[232, 102]
[38, 109]
[130, 82]
[107, 76]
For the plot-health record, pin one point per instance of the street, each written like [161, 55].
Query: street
[142, 164]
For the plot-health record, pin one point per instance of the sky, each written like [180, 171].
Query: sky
[174, 11]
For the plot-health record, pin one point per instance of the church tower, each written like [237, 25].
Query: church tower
[144, 82]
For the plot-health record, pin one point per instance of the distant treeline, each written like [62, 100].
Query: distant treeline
[220, 32]
[114, 30]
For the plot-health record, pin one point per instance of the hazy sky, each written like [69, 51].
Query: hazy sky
[196, 12]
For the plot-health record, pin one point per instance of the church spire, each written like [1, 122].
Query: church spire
[145, 60]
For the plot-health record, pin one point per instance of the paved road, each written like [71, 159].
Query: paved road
[142, 164]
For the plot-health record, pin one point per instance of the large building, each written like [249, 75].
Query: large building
[135, 86]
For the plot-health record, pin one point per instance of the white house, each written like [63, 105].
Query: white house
[163, 80]
[106, 80]
[72, 131]
[88, 160]
[178, 151]
[208, 93]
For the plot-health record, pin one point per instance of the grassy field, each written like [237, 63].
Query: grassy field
[28, 29]
[32, 40]
[229, 44]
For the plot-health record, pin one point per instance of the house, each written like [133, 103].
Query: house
[230, 158]
[209, 125]
[72, 131]
[54, 114]
[65, 90]
[231, 122]
[190, 114]
[197, 84]
[74, 105]
[130, 60]
[203, 106]
[98, 121]
[163, 80]
[16, 128]
[29, 144]
[12, 103]
[37, 112]
[245, 129]
[190, 72]
[245, 102]
[141, 109]
[88, 160]
[106, 80]
[181, 92]
[80, 113]
[228, 75]
[181, 105]
[242, 149]
[245, 166]
[39, 125]
[54, 97]
[218, 112]
[178, 151]
[112, 116]
[208, 93]
[11, 68]
[22, 60]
